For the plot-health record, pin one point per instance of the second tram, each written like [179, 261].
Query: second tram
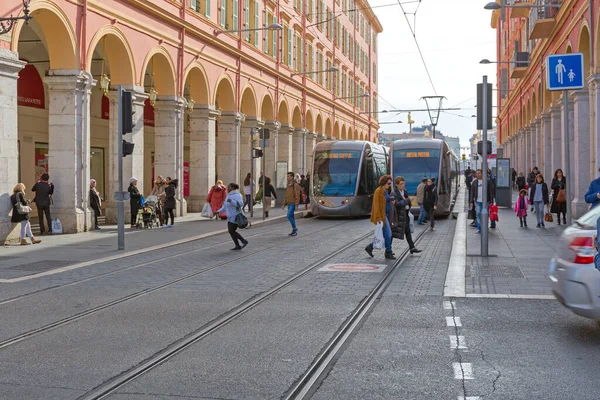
[415, 159]
[344, 176]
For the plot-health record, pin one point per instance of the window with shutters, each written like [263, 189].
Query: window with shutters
[374, 42]
[321, 14]
[331, 25]
[234, 14]
[503, 83]
[288, 45]
[321, 67]
[345, 6]
[247, 24]
[265, 35]
[311, 60]
[256, 25]
[318, 67]
[352, 11]
[195, 5]
[338, 34]
[328, 23]
[273, 33]
[374, 73]
[223, 12]
[310, 10]
[329, 74]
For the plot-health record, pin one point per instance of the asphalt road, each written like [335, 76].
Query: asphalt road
[415, 344]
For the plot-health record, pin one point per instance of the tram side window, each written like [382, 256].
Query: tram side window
[369, 165]
[444, 178]
[380, 163]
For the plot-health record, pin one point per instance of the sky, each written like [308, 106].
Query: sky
[454, 35]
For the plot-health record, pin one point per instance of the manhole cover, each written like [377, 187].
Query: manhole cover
[352, 268]
[495, 271]
[41, 266]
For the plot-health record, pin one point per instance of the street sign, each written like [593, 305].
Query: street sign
[564, 71]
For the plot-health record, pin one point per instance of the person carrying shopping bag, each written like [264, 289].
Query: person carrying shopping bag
[382, 203]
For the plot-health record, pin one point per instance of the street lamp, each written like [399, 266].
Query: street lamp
[486, 61]
[330, 69]
[393, 122]
[6, 24]
[272, 27]
[495, 6]
[353, 97]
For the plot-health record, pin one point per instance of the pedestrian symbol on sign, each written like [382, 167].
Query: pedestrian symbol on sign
[571, 75]
[560, 70]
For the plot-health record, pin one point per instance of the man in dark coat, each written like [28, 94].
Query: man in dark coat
[43, 199]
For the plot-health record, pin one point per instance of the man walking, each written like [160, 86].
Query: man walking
[477, 196]
[292, 201]
[43, 198]
[420, 194]
[531, 180]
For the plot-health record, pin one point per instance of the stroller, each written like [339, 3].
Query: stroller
[147, 215]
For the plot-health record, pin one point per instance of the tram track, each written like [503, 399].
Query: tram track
[67, 320]
[112, 385]
[310, 381]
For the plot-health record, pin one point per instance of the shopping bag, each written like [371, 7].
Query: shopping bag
[411, 221]
[207, 211]
[56, 227]
[493, 212]
[378, 240]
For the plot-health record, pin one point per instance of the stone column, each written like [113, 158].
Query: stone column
[546, 150]
[69, 147]
[246, 146]
[9, 134]
[299, 150]
[270, 153]
[168, 137]
[539, 143]
[579, 176]
[133, 165]
[202, 155]
[568, 169]
[284, 146]
[228, 147]
[321, 137]
[556, 134]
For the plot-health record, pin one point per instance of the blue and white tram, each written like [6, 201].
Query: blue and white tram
[345, 175]
[415, 159]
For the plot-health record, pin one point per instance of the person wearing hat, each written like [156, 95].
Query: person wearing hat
[134, 200]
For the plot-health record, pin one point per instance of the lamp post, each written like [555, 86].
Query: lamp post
[6, 24]
[272, 27]
[330, 69]
[495, 6]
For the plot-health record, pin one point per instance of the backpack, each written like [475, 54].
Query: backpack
[240, 219]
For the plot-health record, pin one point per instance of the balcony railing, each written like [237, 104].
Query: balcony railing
[520, 63]
[520, 12]
[543, 19]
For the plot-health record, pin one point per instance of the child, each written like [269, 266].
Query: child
[521, 207]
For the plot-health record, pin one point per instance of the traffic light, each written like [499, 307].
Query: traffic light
[258, 153]
[480, 147]
[464, 157]
[127, 148]
[480, 104]
[127, 112]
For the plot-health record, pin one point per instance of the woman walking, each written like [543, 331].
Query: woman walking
[268, 192]
[18, 201]
[134, 200]
[248, 184]
[521, 207]
[539, 195]
[382, 203]
[170, 203]
[430, 200]
[95, 202]
[159, 191]
[559, 198]
[403, 203]
[232, 204]
[216, 197]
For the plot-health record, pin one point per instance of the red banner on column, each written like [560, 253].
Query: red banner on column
[105, 111]
[186, 179]
[148, 113]
[30, 89]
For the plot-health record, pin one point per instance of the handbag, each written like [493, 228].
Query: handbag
[393, 217]
[494, 213]
[21, 208]
[548, 217]
[561, 197]
[472, 214]
[240, 219]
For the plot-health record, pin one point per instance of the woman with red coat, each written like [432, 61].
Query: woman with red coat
[216, 198]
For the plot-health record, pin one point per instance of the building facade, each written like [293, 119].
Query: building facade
[530, 117]
[305, 69]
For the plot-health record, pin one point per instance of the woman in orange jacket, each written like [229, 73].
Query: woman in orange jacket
[382, 203]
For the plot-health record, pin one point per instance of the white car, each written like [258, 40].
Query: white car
[576, 281]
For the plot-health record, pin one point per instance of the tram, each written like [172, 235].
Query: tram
[415, 159]
[345, 175]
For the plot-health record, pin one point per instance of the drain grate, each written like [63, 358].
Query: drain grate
[41, 266]
[496, 271]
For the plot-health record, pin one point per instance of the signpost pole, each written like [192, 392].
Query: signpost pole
[567, 153]
[264, 167]
[120, 200]
[251, 205]
[484, 202]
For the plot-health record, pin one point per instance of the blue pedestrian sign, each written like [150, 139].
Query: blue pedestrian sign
[564, 71]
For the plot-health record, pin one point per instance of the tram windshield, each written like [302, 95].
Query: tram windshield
[414, 164]
[336, 172]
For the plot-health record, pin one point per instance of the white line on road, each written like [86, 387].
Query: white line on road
[453, 321]
[449, 305]
[468, 398]
[455, 278]
[462, 370]
[458, 343]
[511, 296]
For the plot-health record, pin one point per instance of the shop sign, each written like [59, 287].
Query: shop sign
[186, 179]
[105, 109]
[30, 89]
[148, 113]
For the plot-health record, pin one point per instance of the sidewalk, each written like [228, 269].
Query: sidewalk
[519, 257]
[68, 249]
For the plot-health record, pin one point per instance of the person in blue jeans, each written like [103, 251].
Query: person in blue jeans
[382, 203]
[292, 201]
[420, 194]
[477, 196]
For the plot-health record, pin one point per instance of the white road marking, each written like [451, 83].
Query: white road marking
[512, 296]
[458, 343]
[468, 398]
[455, 278]
[462, 370]
[449, 305]
[453, 321]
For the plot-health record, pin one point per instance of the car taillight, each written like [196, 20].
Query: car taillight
[584, 250]
[343, 202]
